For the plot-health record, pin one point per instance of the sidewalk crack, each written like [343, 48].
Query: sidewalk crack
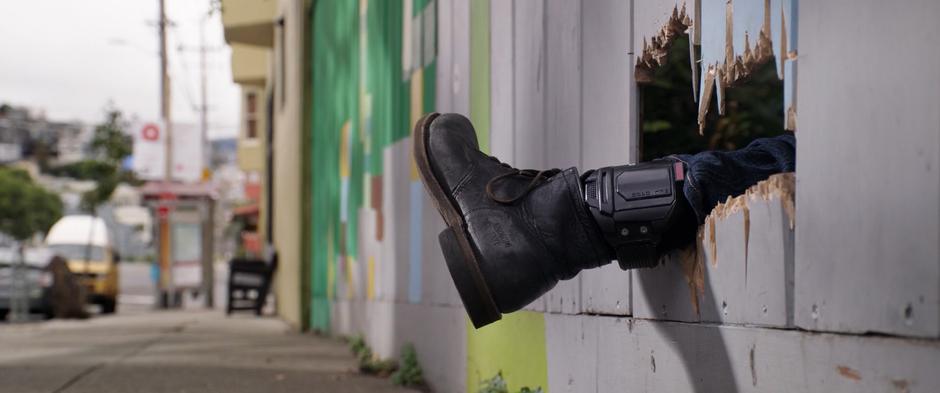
[165, 333]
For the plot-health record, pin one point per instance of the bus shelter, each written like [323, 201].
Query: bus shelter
[184, 214]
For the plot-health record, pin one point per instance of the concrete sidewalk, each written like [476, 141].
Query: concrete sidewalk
[182, 351]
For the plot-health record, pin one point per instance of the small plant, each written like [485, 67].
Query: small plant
[357, 344]
[498, 385]
[494, 385]
[409, 374]
[368, 363]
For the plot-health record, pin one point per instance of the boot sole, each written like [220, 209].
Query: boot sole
[456, 243]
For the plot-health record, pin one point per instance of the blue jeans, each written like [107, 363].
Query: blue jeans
[713, 176]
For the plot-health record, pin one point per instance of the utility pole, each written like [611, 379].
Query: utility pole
[208, 276]
[165, 94]
[168, 298]
[204, 105]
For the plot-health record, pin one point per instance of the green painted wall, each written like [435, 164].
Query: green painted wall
[514, 346]
[480, 70]
[333, 103]
[360, 104]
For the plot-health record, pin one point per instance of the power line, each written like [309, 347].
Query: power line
[181, 63]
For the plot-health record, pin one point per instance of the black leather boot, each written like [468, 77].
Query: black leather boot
[511, 234]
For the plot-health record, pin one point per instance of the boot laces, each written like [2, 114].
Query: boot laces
[538, 176]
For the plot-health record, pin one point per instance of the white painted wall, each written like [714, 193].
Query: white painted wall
[866, 242]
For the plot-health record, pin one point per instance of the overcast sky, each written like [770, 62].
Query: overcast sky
[71, 57]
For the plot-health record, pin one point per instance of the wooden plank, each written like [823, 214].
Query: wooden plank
[659, 356]
[563, 84]
[501, 80]
[614, 351]
[747, 20]
[748, 268]
[417, 34]
[769, 278]
[867, 249]
[439, 336]
[396, 218]
[649, 18]
[606, 86]
[367, 257]
[606, 83]
[437, 285]
[571, 350]
[437, 333]
[563, 115]
[529, 83]
[663, 293]
[379, 329]
[443, 96]
[529, 91]
[407, 40]
[725, 276]
[429, 39]
[461, 56]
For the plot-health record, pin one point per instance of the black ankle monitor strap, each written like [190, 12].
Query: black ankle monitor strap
[634, 205]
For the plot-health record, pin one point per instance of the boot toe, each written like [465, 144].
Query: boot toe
[455, 128]
[452, 143]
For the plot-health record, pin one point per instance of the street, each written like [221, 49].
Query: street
[175, 351]
[190, 350]
[137, 289]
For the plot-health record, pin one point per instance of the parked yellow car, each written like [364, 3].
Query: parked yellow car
[86, 243]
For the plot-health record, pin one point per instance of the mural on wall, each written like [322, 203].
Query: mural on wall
[365, 79]
[375, 74]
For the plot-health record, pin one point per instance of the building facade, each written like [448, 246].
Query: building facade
[248, 31]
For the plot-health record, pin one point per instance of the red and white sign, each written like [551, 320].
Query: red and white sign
[150, 132]
[163, 212]
[187, 153]
[149, 150]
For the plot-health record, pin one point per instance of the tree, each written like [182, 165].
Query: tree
[25, 207]
[110, 141]
[83, 170]
[112, 144]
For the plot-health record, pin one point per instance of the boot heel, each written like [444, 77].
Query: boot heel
[464, 269]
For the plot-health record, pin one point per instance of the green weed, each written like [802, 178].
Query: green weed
[409, 373]
[497, 384]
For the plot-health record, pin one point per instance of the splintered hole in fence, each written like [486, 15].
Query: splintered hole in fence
[669, 111]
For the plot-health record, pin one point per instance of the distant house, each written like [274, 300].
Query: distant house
[14, 133]
[74, 142]
[25, 135]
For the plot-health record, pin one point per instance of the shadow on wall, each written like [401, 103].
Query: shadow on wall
[709, 370]
[669, 125]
